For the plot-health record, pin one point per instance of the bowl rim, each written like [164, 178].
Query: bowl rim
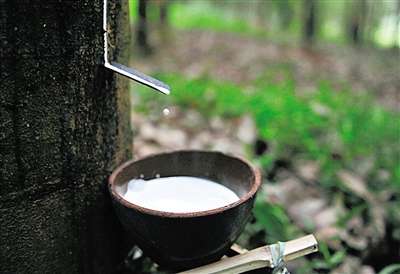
[254, 188]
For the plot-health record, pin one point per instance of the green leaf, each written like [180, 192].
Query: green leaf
[320, 264]
[394, 268]
[337, 258]
[323, 247]
[273, 219]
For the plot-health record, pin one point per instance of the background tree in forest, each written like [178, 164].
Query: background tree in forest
[356, 24]
[285, 12]
[142, 27]
[396, 34]
[309, 21]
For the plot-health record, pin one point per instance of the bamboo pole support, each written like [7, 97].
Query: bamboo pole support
[258, 258]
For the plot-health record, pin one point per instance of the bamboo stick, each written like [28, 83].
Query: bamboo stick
[258, 258]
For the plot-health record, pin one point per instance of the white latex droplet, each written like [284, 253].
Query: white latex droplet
[166, 111]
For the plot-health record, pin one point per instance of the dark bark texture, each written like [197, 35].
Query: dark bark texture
[142, 28]
[309, 13]
[164, 12]
[357, 21]
[64, 125]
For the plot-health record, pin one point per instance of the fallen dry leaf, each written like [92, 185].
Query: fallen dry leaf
[227, 145]
[304, 211]
[191, 119]
[201, 140]
[350, 265]
[142, 148]
[246, 130]
[171, 138]
[148, 131]
[356, 184]
[366, 269]
[354, 235]
[320, 109]
[308, 171]
[326, 217]
[329, 235]
[285, 191]
[375, 231]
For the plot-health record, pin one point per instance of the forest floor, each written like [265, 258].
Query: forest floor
[242, 59]
[296, 199]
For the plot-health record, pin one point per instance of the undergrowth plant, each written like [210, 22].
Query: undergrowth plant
[339, 129]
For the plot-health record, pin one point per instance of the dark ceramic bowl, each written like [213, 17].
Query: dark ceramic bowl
[186, 240]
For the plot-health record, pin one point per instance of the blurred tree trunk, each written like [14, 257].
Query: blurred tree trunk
[64, 126]
[142, 28]
[261, 10]
[397, 27]
[357, 21]
[372, 20]
[309, 20]
[164, 12]
[285, 11]
[163, 20]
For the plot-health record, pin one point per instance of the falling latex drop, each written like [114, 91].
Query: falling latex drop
[166, 111]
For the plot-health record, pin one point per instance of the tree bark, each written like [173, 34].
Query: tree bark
[64, 126]
[164, 12]
[142, 28]
[285, 11]
[357, 21]
[396, 32]
[309, 14]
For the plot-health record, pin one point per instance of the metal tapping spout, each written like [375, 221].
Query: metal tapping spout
[126, 71]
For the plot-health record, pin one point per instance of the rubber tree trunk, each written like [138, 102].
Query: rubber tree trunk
[64, 126]
[309, 21]
[285, 11]
[142, 27]
[357, 21]
[163, 28]
[164, 12]
[396, 31]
